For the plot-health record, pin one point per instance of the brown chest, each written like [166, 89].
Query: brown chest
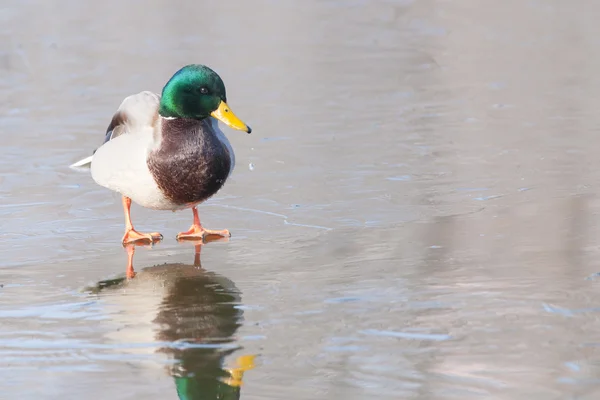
[191, 163]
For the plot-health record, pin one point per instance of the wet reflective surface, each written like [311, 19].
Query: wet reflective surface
[197, 316]
[415, 214]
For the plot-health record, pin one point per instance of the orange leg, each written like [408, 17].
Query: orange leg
[131, 235]
[198, 232]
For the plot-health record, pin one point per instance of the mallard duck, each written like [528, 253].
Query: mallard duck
[166, 152]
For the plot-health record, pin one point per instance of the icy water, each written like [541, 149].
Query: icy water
[416, 214]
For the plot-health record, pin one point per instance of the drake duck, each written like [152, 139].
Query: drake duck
[166, 152]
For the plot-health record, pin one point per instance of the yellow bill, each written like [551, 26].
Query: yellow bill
[226, 116]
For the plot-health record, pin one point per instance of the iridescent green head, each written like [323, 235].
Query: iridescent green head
[197, 92]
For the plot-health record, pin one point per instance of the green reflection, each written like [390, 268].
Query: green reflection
[198, 315]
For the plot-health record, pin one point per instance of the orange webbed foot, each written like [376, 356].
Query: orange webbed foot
[197, 232]
[133, 236]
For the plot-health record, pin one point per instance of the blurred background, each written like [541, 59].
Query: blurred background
[415, 215]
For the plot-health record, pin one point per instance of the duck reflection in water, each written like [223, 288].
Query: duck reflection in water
[197, 317]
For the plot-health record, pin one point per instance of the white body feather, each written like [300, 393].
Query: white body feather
[120, 165]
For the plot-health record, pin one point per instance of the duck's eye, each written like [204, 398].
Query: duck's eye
[203, 90]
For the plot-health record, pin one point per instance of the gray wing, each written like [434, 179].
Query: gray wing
[136, 111]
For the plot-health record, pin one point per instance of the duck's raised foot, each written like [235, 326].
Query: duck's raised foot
[132, 236]
[197, 232]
